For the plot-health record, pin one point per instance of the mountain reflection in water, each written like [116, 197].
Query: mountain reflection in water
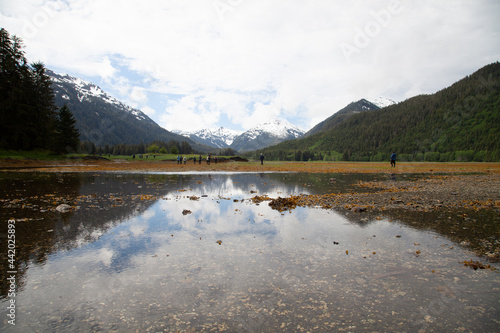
[192, 252]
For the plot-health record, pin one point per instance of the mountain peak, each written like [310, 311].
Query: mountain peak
[278, 127]
[381, 102]
[265, 134]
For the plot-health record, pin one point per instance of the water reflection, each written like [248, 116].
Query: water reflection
[129, 259]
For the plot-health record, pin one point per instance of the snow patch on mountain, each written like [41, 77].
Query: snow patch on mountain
[381, 102]
[279, 128]
[266, 134]
[87, 90]
[218, 137]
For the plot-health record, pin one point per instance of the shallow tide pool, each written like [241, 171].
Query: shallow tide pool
[192, 252]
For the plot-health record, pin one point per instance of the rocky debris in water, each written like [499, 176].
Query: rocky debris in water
[281, 204]
[476, 264]
[63, 208]
[259, 198]
[186, 211]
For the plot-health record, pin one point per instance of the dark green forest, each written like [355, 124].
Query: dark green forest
[459, 123]
[29, 118]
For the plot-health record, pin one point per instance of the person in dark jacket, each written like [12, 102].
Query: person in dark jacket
[393, 160]
[261, 159]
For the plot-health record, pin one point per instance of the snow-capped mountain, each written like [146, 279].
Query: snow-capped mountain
[220, 137]
[263, 135]
[85, 91]
[266, 134]
[103, 119]
[382, 102]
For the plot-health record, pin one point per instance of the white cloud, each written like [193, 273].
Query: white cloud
[189, 112]
[248, 60]
[148, 111]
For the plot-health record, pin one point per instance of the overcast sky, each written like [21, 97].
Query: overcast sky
[193, 64]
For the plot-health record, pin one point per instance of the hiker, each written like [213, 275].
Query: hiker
[178, 159]
[199, 159]
[261, 159]
[215, 159]
[194, 159]
[393, 160]
[185, 159]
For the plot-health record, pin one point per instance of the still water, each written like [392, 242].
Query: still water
[192, 252]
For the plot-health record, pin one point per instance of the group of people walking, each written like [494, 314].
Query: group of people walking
[183, 160]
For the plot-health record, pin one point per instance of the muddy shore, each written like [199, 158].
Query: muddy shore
[438, 185]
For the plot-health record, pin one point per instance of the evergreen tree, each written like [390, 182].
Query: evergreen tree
[27, 110]
[43, 113]
[67, 136]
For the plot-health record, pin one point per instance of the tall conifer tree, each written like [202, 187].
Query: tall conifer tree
[67, 135]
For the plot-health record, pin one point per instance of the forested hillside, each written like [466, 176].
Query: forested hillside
[340, 116]
[459, 123]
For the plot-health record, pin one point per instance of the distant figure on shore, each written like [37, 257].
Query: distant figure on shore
[215, 159]
[178, 159]
[199, 160]
[393, 160]
[184, 159]
[194, 159]
[261, 159]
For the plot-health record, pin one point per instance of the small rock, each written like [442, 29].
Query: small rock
[63, 208]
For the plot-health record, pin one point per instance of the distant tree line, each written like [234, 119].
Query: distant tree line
[29, 118]
[308, 155]
[155, 147]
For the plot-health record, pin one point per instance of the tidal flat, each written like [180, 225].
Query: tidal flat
[204, 251]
